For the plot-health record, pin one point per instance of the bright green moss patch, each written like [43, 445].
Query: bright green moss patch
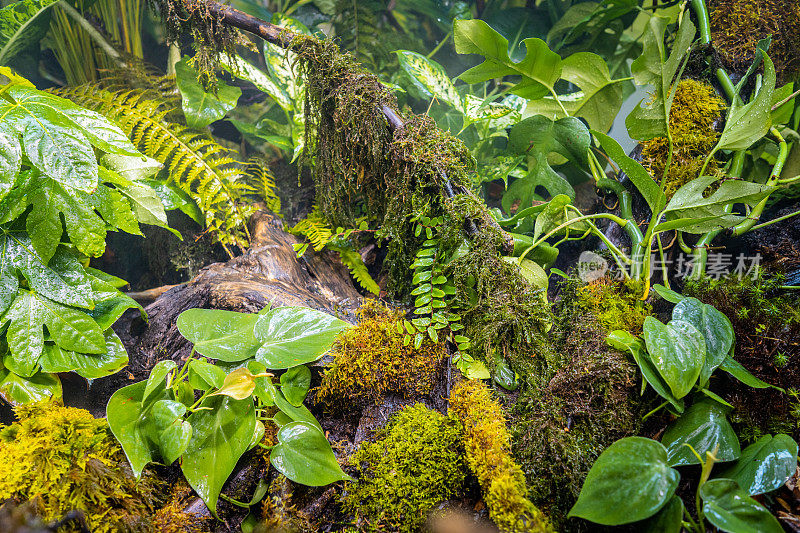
[375, 358]
[488, 448]
[694, 111]
[63, 459]
[615, 304]
[416, 463]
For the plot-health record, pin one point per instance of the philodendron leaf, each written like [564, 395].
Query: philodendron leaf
[158, 377]
[748, 123]
[201, 108]
[291, 336]
[127, 413]
[295, 383]
[690, 201]
[540, 69]
[731, 509]
[224, 335]
[735, 369]
[667, 520]
[630, 481]
[204, 376]
[715, 327]
[677, 350]
[765, 465]
[599, 99]
[304, 455]
[239, 384]
[705, 427]
[651, 68]
[622, 340]
[173, 433]
[220, 435]
[17, 390]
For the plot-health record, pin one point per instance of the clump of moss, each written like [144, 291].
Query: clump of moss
[172, 518]
[586, 398]
[766, 322]
[695, 110]
[488, 448]
[375, 358]
[280, 514]
[416, 463]
[615, 304]
[63, 459]
[738, 25]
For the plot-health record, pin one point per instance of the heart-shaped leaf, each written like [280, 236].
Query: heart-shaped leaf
[705, 427]
[667, 520]
[291, 336]
[304, 455]
[239, 384]
[295, 383]
[678, 352]
[630, 481]
[716, 328]
[765, 465]
[731, 509]
[223, 335]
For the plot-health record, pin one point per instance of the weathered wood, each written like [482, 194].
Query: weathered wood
[269, 273]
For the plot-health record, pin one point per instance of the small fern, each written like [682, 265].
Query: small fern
[262, 182]
[195, 163]
[320, 235]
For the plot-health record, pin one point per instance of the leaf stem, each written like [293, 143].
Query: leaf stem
[96, 36]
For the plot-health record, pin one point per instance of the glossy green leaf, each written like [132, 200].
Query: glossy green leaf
[23, 24]
[716, 328]
[747, 123]
[678, 352]
[223, 335]
[238, 384]
[630, 481]
[173, 432]
[295, 383]
[17, 390]
[158, 377]
[298, 413]
[201, 108]
[622, 340]
[204, 376]
[304, 455]
[89, 366]
[291, 336]
[642, 179]
[705, 427]
[668, 520]
[10, 159]
[132, 168]
[128, 417]
[735, 369]
[598, 100]
[654, 68]
[540, 69]
[765, 465]
[731, 509]
[220, 435]
[110, 304]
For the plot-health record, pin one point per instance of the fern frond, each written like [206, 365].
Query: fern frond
[195, 163]
[314, 228]
[262, 182]
[353, 261]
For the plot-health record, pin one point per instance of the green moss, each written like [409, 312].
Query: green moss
[63, 459]
[586, 398]
[615, 304]
[738, 25]
[416, 463]
[488, 446]
[374, 358]
[694, 111]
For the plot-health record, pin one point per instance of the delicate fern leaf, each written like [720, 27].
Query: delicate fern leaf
[353, 261]
[195, 163]
[261, 180]
[314, 228]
